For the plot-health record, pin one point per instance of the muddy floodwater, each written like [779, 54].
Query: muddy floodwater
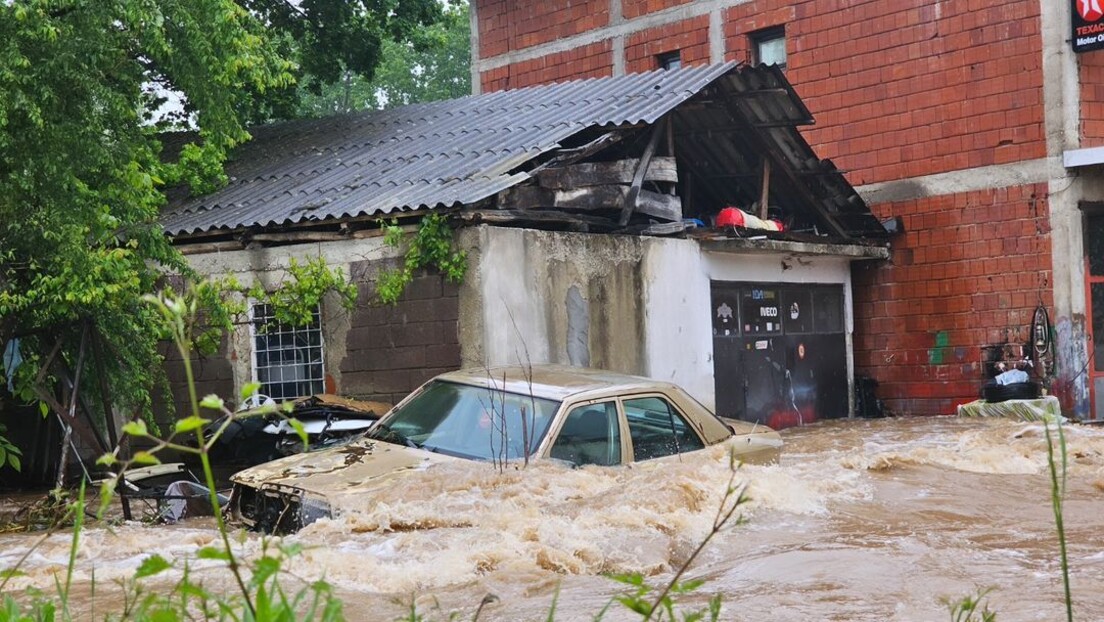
[861, 520]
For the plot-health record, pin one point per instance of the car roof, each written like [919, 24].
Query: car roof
[557, 382]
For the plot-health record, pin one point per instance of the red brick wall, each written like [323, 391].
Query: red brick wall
[1092, 99]
[968, 273]
[507, 25]
[690, 37]
[636, 8]
[899, 89]
[902, 89]
[588, 61]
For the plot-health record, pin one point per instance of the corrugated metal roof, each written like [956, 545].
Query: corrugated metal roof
[447, 153]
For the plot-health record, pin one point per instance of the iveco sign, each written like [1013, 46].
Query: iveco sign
[1088, 27]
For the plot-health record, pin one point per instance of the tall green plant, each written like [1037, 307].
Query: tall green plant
[1057, 495]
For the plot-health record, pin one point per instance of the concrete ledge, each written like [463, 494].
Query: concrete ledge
[748, 246]
[1083, 157]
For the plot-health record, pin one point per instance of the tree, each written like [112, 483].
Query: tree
[82, 173]
[432, 64]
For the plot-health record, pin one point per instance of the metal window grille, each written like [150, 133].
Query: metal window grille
[287, 360]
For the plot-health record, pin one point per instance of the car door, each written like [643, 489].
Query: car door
[590, 433]
[657, 428]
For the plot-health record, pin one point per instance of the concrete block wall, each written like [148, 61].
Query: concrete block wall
[375, 352]
[392, 349]
[213, 374]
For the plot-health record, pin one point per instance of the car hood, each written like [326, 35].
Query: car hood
[358, 466]
[754, 443]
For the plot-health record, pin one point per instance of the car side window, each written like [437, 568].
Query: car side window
[657, 429]
[590, 435]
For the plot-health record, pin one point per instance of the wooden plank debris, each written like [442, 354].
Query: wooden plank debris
[593, 198]
[662, 169]
[641, 169]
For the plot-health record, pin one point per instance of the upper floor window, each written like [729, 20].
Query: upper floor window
[769, 47]
[287, 360]
[669, 60]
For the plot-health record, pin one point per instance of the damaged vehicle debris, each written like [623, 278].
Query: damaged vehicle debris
[327, 419]
[502, 416]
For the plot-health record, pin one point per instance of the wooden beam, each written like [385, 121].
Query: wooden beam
[582, 222]
[593, 198]
[602, 173]
[764, 191]
[642, 169]
[568, 156]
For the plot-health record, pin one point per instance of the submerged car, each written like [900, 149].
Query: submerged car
[503, 416]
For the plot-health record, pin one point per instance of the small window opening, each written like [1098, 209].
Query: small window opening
[769, 47]
[669, 60]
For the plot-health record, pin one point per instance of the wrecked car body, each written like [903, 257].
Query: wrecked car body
[326, 419]
[503, 416]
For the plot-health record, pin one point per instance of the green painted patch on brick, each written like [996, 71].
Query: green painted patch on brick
[935, 355]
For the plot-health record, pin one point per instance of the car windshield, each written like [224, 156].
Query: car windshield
[469, 422]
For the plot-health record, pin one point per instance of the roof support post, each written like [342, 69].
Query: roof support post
[764, 192]
[641, 170]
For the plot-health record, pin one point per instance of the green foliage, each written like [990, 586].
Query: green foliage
[643, 600]
[83, 169]
[331, 37]
[295, 301]
[973, 608]
[430, 247]
[81, 172]
[9, 454]
[432, 64]
[1057, 496]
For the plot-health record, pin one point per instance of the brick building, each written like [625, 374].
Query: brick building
[974, 122]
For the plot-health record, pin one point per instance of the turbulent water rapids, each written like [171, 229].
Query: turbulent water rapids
[861, 520]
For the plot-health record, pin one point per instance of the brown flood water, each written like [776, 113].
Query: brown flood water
[862, 520]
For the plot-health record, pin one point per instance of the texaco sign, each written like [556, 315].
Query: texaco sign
[1088, 27]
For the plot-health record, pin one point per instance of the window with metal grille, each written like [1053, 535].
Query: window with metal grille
[287, 360]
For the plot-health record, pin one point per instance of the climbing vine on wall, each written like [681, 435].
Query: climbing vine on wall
[430, 247]
[293, 302]
[296, 299]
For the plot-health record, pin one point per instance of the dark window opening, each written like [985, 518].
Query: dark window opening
[669, 60]
[769, 47]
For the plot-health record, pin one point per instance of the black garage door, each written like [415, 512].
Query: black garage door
[779, 352]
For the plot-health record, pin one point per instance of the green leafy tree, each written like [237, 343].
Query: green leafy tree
[83, 172]
[431, 64]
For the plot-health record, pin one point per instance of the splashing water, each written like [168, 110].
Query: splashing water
[862, 520]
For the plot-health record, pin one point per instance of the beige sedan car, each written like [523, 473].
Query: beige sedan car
[505, 416]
